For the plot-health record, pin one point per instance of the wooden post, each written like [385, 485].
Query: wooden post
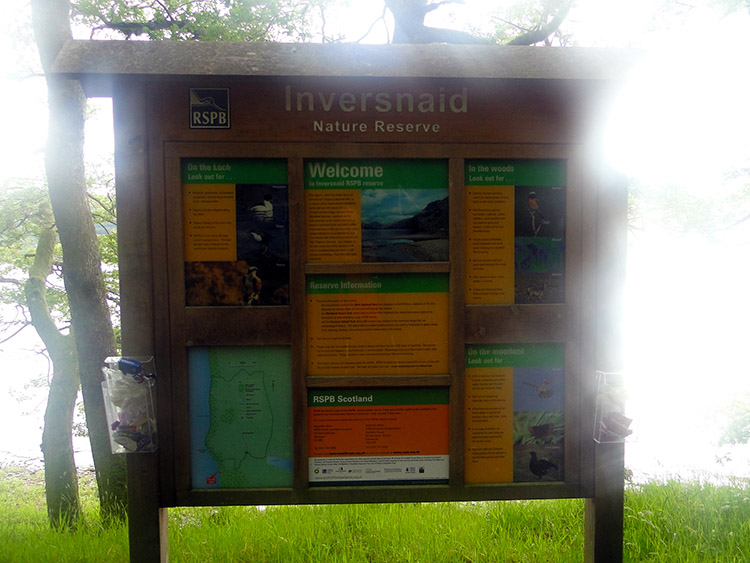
[605, 511]
[147, 521]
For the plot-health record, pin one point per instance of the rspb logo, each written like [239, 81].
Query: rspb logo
[209, 108]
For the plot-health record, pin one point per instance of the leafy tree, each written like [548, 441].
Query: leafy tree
[31, 279]
[84, 282]
[83, 277]
[226, 20]
[737, 428]
[532, 22]
[25, 217]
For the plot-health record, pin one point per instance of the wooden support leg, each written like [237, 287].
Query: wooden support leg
[147, 522]
[605, 512]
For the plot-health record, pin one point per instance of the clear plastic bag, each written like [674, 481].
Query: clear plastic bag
[128, 390]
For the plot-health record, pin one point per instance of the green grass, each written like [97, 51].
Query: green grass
[677, 521]
[669, 521]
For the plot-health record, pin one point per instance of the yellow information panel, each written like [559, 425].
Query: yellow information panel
[391, 324]
[489, 245]
[489, 425]
[210, 223]
[514, 413]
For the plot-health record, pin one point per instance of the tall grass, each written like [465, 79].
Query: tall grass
[25, 533]
[676, 521]
[664, 521]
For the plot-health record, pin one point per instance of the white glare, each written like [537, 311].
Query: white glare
[684, 117]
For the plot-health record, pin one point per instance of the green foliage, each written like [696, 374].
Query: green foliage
[523, 16]
[101, 192]
[664, 521]
[24, 212]
[210, 20]
[26, 536]
[737, 428]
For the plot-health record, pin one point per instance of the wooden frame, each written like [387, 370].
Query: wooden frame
[470, 324]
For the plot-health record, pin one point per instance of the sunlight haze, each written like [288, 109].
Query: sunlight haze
[680, 123]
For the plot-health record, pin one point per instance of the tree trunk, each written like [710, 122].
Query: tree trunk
[409, 16]
[61, 479]
[84, 282]
[60, 476]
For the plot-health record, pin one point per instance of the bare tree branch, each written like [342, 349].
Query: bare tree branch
[536, 35]
[12, 281]
[7, 338]
[108, 209]
[372, 25]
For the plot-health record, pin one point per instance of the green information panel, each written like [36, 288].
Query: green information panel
[240, 417]
[376, 210]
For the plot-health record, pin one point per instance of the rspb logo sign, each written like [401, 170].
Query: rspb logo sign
[209, 108]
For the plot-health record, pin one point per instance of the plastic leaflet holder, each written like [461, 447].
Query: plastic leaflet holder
[128, 390]
[613, 422]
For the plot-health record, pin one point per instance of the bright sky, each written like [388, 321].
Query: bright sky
[683, 120]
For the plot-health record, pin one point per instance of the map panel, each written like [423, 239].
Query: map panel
[240, 417]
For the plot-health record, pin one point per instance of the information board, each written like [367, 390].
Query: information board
[374, 324]
[365, 273]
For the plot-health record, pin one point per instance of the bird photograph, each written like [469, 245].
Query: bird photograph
[535, 212]
[539, 211]
[540, 467]
[538, 389]
[253, 285]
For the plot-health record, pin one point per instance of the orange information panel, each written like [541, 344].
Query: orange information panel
[391, 324]
[365, 436]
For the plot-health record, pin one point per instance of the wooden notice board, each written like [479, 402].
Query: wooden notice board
[365, 274]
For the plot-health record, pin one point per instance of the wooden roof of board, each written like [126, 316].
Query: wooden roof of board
[98, 63]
